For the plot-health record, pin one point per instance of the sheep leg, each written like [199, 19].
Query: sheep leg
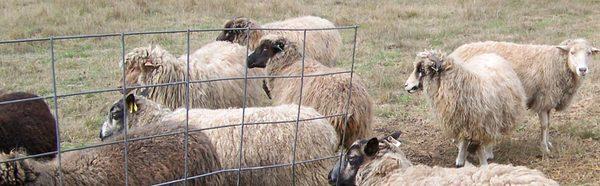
[482, 155]
[544, 124]
[489, 152]
[462, 153]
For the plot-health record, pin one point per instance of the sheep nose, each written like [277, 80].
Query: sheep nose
[331, 180]
[582, 70]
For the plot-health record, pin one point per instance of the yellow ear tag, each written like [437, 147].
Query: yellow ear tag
[132, 108]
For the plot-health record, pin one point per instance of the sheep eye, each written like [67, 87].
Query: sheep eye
[572, 52]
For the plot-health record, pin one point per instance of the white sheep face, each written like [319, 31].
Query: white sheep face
[579, 53]
[426, 63]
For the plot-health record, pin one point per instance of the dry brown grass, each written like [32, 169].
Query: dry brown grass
[391, 32]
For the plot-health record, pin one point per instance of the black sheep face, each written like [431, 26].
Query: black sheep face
[115, 122]
[265, 51]
[360, 153]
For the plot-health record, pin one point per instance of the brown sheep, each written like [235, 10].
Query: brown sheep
[327, 94]
[29, 125]
[150, 161]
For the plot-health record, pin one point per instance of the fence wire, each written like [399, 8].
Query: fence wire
[186, 177]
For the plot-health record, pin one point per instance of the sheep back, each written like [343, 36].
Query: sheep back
[322, 45]
[269, 144]
[150, 161]
[542, 69]
[216, 60]
[28, 124]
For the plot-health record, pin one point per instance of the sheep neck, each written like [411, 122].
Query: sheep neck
[149, 112]
[389, 159]
[435, 84]
[288, 63]
[171, 70]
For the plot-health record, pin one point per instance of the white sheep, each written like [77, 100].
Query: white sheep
[150, 161]
[216, 60]
[328, 94]
[477, 101]
[264, 144]
[322, 45]
[551, 75]
[382, 162]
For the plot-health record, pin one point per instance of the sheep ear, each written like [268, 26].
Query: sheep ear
[396, 135]
[150, 63]
[563, 47]
[278, 47]
[372, 147]
[595, 50]
[130, 102]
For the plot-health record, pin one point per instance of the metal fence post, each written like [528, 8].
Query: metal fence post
[55, 98]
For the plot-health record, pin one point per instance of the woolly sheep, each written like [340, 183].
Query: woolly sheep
[28, 125]
[477, 101]
[551, 75]
[322, 45]
[382, 162]
[328, 94]
[264, 144]
[150, 161]
[154, 65]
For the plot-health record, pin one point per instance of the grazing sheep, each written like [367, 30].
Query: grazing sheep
[28, 125]
[150, 161]
[264, 144]
[154, 65]
[322, 45]
[328, 94]
[551, 75]
[382, 162]
[477, 101]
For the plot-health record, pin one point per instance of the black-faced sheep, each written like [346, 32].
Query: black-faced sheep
[551, 75]
[328, 94]
[477, 101]
[382, 162]
[150, 161]
[322, 45]
[264, 144]
[154, 65]
[28, 125]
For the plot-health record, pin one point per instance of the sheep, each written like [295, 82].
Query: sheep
[328, 94]
[150, 161]
[322, 45]
[382, 162]
[551, 75]
[264, 144]
[28, 125]
[154, 65]
[477, 101]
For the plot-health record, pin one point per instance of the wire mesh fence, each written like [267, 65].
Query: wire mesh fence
[187, 82]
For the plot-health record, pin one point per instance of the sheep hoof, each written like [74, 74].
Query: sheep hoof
[459, 165]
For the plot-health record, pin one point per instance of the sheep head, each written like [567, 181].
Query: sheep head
[140, 63]
[579, 52]
[274, 51]
[134, 107]
[361, 153]
[237, 32]
[427, 63]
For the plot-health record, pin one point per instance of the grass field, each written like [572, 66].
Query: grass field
[390, 33]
